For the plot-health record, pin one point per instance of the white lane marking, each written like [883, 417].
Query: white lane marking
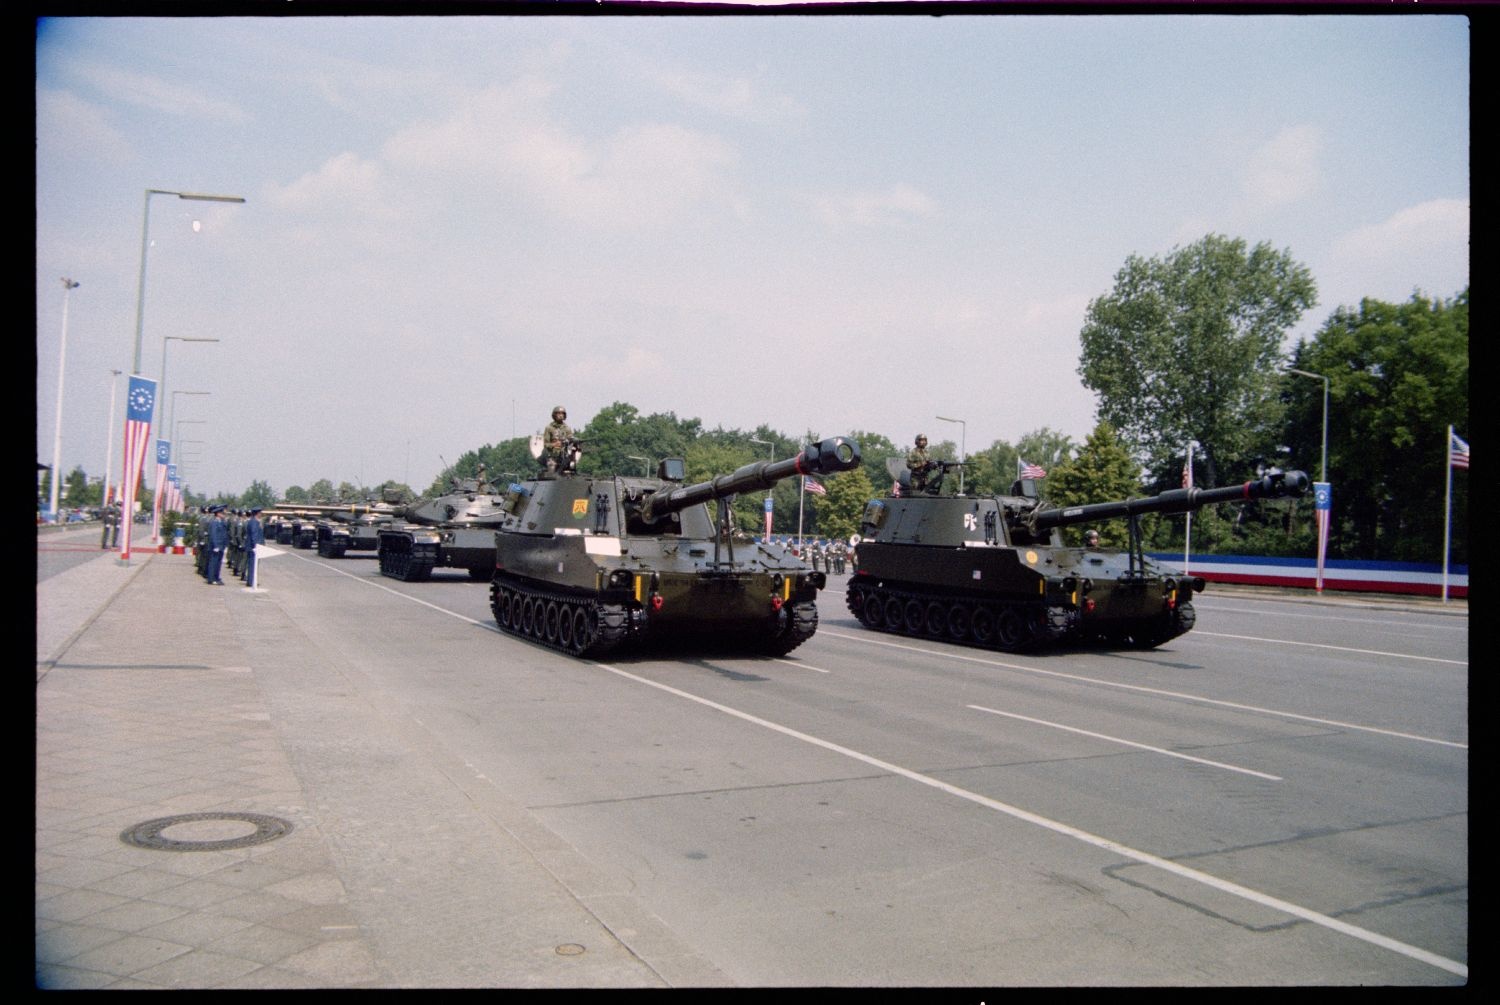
[398, 593]
[1380, 618]
[800, 665]
[1145, 858]
[1156, 691]
[1342, 649]
[1128, 743]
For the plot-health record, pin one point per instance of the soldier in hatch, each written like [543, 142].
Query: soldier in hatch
[555, 439]
[919, 462]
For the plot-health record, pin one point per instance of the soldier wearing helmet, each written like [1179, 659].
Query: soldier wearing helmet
[918, 462]
[555, 440]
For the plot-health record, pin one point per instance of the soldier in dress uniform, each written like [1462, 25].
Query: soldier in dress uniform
[254, 535]
[218, 540]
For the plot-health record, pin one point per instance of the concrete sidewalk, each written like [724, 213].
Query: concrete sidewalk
[146, 709]
[153, 723]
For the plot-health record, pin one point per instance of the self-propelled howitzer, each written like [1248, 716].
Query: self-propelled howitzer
[590, 562]
[993, 571]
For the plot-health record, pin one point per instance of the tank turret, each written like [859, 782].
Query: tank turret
[590, 562]
[993, 570]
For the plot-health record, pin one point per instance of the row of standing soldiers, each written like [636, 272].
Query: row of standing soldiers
[830, 556]
[232, 541]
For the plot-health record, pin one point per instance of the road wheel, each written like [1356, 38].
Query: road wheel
[937, 619]
[1009, 631]
[958, 622]
[982, 625]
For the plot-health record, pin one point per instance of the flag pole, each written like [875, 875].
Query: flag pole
[1187, 483]
[1447, 506]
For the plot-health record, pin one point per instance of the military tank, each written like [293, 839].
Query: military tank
[452, 531]
[590, 563]
[353, 528]
[992, 571]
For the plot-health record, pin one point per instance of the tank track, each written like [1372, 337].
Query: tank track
[409, 562]
[1011, 626]
[801, 624]
[578, 626]
[328, 549]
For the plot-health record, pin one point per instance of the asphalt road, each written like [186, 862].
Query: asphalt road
[1279, 797]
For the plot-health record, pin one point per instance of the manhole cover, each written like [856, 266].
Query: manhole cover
[206, 831]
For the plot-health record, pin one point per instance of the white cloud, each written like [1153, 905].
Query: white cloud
[340, 181]
[1435, 226]
[894, 206]
[1285, 168]
[159, 95]
[69, 127]
[642, 174]
[736, 97]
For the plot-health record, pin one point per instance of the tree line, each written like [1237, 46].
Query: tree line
[1186, 347]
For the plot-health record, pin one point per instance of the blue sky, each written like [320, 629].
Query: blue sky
[819, 223]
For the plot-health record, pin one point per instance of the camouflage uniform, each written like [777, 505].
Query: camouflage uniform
[555, 441]
[919, 462]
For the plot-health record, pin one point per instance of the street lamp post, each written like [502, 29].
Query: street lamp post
[963, 434]
[62, 357]
[140, 296]
[173, 411]
[645, 463]
[109, 437]
[161, 389]
[1323, 463]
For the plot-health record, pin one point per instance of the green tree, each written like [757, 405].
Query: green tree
[321, 491]
[75, 487]
[1189, 348]
[349, 493]
[297, 494]
[991, 471]
[1398, 377]
[258, 494]
[1045, 447]
[840, 511]
[1102, 471]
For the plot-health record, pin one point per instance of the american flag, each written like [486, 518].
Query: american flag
[814, 487]
[1458, 452]
[139, 405]
[1032, 471]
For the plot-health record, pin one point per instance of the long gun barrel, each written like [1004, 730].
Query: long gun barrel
[837, 453]
[1273, 485]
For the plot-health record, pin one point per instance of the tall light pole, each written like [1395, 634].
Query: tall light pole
[963, 435]
[645, 463]
[140, 296]
[173, 411]
[161, 387]
[62, 358]
[163, 426]
[1323, 463]
[109, 437]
